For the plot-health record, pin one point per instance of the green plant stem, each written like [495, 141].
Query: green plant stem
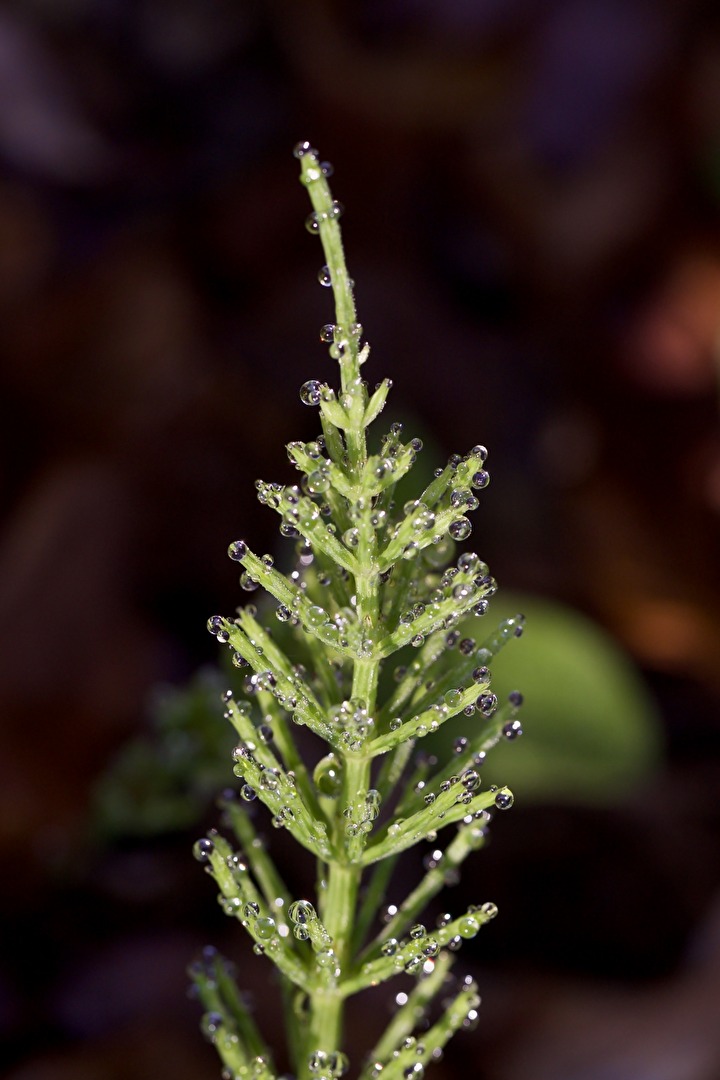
[375, 891]
[343, 881]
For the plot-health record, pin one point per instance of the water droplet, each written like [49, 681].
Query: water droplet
[248, 583]
[248, 793]
[324, 276]
[312, 222]
[337, 209]
[327, 333]
[328, 776]
[504, 799]
[460, 529]
[302, 148]
[326, 168]
[265, 928]
[351, 538]
[480, 479]
[311, 392]
[512, 730]
[302, 911]
[251, 911]
[316, 616]
[423, 520]
[470, 780]
[417, 931]
[317, 1061]
[468, 926]
[487, 704]
[317, 482]
[203, 849]
[237, 550]
[210, 1025]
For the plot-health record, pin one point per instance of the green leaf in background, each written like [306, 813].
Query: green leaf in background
[164, 779]
[591, 729]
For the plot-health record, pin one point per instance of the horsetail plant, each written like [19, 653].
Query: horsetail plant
[374, 586]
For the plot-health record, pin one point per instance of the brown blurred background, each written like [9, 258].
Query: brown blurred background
[533, 220]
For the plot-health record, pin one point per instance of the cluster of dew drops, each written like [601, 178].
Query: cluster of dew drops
[465, 576]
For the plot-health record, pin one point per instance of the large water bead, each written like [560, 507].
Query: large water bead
[487, 703]
[301, 911]
[311, 392]
[203, 849]
[480, 479]
[504, 799]
[469, 563]
[468, 926]
[237, 550]
[460, 529]
[265, 928]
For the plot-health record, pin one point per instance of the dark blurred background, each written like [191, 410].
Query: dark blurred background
[533, 220]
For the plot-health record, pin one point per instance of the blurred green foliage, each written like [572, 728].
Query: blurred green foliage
[165, 779]
[590, 727]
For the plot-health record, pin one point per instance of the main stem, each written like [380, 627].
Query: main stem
[339, 901]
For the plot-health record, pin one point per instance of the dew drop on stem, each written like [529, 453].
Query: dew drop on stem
[303, 148]
[460, 529]
[203, 849]
[504, 799]
[311, 392]
[237, 550]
